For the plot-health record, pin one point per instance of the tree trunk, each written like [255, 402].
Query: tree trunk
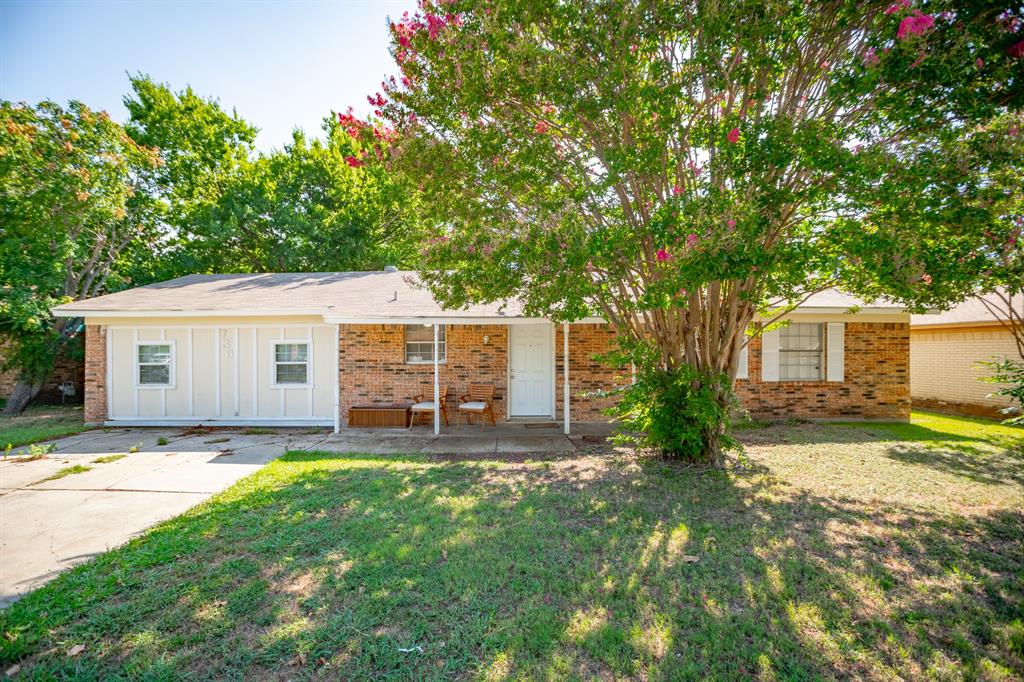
[24, 391]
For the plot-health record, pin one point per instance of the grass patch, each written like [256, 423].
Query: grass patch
[66, 471]
[829, 551]
[107, 459]
[258, 431]
[217, 440]
[41, 422]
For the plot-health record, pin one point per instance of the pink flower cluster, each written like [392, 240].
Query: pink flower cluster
[350, 122]
[734, 135]
[353, 161]
[870, 57]
[915, 24]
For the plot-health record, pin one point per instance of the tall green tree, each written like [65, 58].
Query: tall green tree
[201, 147]
[678, 166]
[312, 206]
[74, 194]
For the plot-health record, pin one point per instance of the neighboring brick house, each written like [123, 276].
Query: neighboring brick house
[68, 368]
[306, 348]
[945, 355]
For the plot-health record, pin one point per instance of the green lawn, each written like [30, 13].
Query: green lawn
[40, 422]
[860, 551]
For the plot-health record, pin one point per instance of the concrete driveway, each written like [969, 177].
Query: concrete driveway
[46, 526]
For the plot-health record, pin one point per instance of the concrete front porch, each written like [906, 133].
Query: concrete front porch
[521, 437]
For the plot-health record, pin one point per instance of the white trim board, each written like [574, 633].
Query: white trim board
[219, 421]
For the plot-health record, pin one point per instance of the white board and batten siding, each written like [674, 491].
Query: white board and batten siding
[221, 374]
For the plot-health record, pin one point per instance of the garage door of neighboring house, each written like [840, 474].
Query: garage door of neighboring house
[283, 374]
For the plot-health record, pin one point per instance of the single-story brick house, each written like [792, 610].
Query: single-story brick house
[304, 348]
[945, 352]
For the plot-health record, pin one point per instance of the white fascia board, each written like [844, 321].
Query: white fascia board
[265, 312]
[334, 319]
[835, 310]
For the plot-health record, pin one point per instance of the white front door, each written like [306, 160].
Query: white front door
[530, 370]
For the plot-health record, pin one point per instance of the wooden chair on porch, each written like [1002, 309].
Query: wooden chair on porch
[423, 403]
[478, 400]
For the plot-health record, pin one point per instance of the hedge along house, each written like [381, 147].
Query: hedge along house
[302, 349]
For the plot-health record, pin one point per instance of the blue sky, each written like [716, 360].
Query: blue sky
[280, 64]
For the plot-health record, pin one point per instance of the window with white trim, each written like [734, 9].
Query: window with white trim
[155, 364]
[419, 344]
[801, 352]
[291, 363]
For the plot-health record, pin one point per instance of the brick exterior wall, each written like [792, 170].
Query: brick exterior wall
[586, 373]
[877, 386]
[944, 370]
[95, 374]
[372, 368]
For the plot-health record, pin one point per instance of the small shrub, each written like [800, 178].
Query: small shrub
[161, 441]
[1010, 373]
[133, 449]
[37, 451]
[681, 414]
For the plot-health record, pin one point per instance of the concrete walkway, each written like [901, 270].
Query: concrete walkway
[47, 526]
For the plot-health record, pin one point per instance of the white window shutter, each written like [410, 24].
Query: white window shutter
[743, 369]
[770, 356]
[835, 362]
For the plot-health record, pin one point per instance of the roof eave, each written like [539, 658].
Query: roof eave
[61, 311]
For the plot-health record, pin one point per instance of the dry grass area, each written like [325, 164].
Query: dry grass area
[855, 551]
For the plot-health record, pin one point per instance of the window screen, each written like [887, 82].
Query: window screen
[291, 363]
[419, 343]
[800, 352]
[154, 362]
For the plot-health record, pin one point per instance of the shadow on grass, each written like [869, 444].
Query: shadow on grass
[329, 566]
[991, 459]
[960, 459]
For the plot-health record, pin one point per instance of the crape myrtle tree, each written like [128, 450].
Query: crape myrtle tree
[680, 167]
[74, 194]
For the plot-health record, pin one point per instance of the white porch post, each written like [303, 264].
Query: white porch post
[565, 376]
[337, 378]
[437, 390]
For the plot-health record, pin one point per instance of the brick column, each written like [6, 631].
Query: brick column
[95, 374]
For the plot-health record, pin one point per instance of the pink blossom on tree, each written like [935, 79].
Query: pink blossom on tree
[915, 24]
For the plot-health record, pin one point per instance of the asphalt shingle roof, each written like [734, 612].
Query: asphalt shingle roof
[352, 295]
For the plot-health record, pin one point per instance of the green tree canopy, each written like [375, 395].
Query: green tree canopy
[75, 195]
[231, 209]
[305, 208]
[677, 166]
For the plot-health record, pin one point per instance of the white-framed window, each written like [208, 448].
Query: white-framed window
[291, 363]
[801, 352]
[419, 344]
[154, 364]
